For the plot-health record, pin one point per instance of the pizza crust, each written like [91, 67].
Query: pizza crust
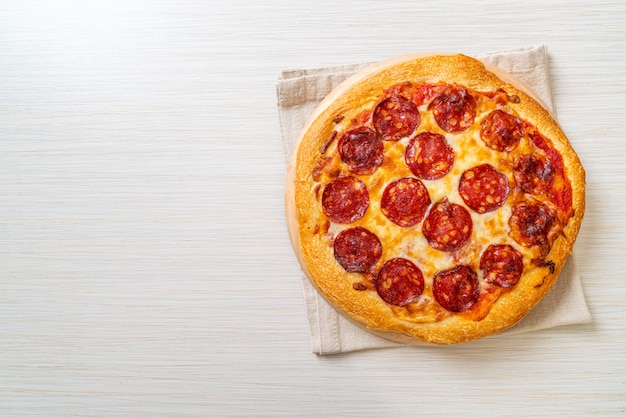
[365, 308]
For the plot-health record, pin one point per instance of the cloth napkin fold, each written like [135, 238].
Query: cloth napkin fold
[300, 90]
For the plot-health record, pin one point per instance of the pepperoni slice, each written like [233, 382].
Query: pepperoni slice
[456, 289]
[501, 131]
[429, 156]
[396, 117]
[532, 223]
[448, 226]
[362, 150]
[483, 188]
[405, 201]
[454, 109]
[357, 250]
[502, 265]
[399, 282]
[534, 174]
[345, 200]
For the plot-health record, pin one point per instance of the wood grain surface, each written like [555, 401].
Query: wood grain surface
[145, 266]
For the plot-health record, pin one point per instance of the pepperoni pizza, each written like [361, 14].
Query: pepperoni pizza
[433, 199]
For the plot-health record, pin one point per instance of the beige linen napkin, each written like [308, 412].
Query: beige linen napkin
[300, 90]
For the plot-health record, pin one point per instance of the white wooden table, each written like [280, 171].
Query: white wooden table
[145, 268]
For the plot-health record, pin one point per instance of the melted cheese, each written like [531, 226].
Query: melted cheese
[409, 242]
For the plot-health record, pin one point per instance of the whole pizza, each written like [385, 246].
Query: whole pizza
[432, 199]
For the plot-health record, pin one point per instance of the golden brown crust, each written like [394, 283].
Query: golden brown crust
[305, 215]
